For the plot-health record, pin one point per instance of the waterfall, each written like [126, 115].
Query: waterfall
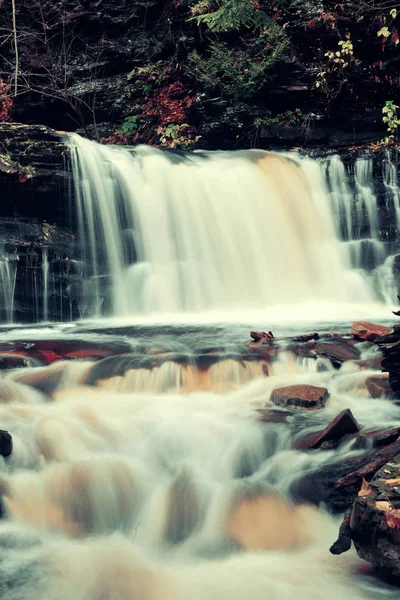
[166, 232]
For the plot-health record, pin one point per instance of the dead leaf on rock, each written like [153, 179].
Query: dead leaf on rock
[383, 505]
[365, 490]
[392, 482]
[393, 518]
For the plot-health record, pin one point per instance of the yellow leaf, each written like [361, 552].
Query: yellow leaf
[365, 490]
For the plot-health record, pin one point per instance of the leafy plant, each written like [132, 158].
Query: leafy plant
[177, 136]
[391, 118]
[129, 126]
[222, 16]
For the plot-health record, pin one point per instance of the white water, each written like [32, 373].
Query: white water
[8, 272]
[165, 496]
[206, 232]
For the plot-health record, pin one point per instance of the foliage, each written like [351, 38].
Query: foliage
[6, 102]
[190, 72]
[222, 16]
[239, 73]
[129, 126]
[391, 118]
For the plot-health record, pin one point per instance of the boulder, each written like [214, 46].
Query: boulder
[365, 331]
[342, 425]
[6, 443]
[307, 397]
[378, 386]
[375, 520]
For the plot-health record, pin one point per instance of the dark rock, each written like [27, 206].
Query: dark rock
[378, 386]
[337, 484]
[17, 361]
[375, 520]
[6, 443]
[365, 331]
[262, 336]
[342, 425]
[343, 543]
[379, 438]
[300, 396]
[306, 337]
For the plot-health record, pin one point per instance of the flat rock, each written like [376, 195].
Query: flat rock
[378, 386]
[338, 350]
[341, 426]
[307, 397]
[365, 331]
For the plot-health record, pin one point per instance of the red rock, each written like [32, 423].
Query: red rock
[378, 385]
[300, 396]
[365, 331]
[342, 425]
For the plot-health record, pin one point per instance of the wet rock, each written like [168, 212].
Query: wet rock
[342, 425]
[262, 336]
[373, 364]
[307, 397]
[306, 337]
[337, 484]
[390, 347]
[17, 361]
[378, 438]
[343, 543]
[338, 350]
[378, 386]
[365, 331]
[375, 520]
[266, 415]
[6, 443]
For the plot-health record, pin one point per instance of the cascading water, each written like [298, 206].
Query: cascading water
[8, 272]
[166, 233]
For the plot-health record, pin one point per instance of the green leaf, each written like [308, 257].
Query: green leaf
[393, 13]
[384, 32]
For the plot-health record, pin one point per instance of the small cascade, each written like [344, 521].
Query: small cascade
[366, 210]
[8, 272]
[45, 272]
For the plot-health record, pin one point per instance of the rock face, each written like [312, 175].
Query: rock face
[375, 520]
[300, 397]
[365, 331]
